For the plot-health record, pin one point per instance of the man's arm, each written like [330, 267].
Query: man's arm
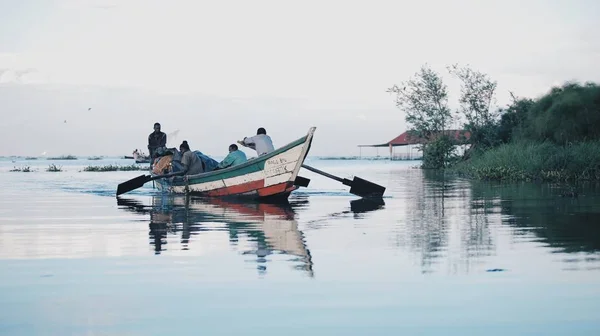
[227, 161]
[248, 142]
[163, 141]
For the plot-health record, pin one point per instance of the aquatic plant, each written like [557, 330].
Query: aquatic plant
[24, 169]
[111, 168]
[64, 157]
[54, 168]
[535, 161]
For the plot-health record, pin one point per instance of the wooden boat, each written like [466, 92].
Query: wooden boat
[269, 176]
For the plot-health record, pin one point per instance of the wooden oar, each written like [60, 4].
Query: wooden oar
[139, 181]
[358, 186]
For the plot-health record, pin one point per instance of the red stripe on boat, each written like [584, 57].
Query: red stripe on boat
[237, 189]
[254, 187]
[273, 190]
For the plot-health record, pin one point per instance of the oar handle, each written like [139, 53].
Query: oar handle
[166, 175]
[320, 172]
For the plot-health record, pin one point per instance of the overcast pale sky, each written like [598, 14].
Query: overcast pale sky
[218, 70]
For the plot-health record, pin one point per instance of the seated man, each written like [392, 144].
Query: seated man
[261, 142]
[234, 158]
[189, 160]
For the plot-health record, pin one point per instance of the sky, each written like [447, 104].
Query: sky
[216, 71]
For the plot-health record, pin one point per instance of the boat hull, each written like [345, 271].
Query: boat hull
[267, 177]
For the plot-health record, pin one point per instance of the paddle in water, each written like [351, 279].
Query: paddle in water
[139, 181]
[358, 186]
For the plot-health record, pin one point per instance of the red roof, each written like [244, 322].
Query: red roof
[405, 139]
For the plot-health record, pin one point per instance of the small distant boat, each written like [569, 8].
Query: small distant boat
[269, 176]
[128, 157]
[31, 158]
[95, 158]
[140, 157]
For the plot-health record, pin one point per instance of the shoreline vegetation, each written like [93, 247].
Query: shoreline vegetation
[63, 157]
[554, 138]
[24, 169]
[54, 168]
[111, 168]
[106, 168]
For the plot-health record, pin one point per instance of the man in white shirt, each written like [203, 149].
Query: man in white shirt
[261, 142]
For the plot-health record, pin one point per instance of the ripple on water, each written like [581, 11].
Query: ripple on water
[436, 241]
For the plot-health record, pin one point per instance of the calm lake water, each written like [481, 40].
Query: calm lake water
[441, 256]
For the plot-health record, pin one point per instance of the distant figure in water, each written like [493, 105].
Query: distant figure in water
[261, 142]
[156, 140]
[191, 163]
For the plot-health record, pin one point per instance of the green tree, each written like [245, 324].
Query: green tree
[567, 114]
[476, 99]
[424, 99]
[513, 118]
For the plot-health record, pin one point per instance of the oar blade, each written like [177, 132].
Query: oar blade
[301, 181]
[132, 184]
[366, 189]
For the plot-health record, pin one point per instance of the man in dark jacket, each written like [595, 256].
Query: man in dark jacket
[156, 140]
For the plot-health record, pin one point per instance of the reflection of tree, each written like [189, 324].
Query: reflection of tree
[455, 218]
[426, 227]
[442, 221]
[476, 235]
[571, 225]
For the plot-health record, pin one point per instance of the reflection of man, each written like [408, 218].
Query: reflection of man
[158, 231]
[156, 140]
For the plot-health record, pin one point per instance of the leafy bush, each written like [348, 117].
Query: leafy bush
[566, 114]
[24, 169]
[109, 168]
[439, 153]
[529, 160]
[54, 168]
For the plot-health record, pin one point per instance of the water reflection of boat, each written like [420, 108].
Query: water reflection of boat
[270, 228]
